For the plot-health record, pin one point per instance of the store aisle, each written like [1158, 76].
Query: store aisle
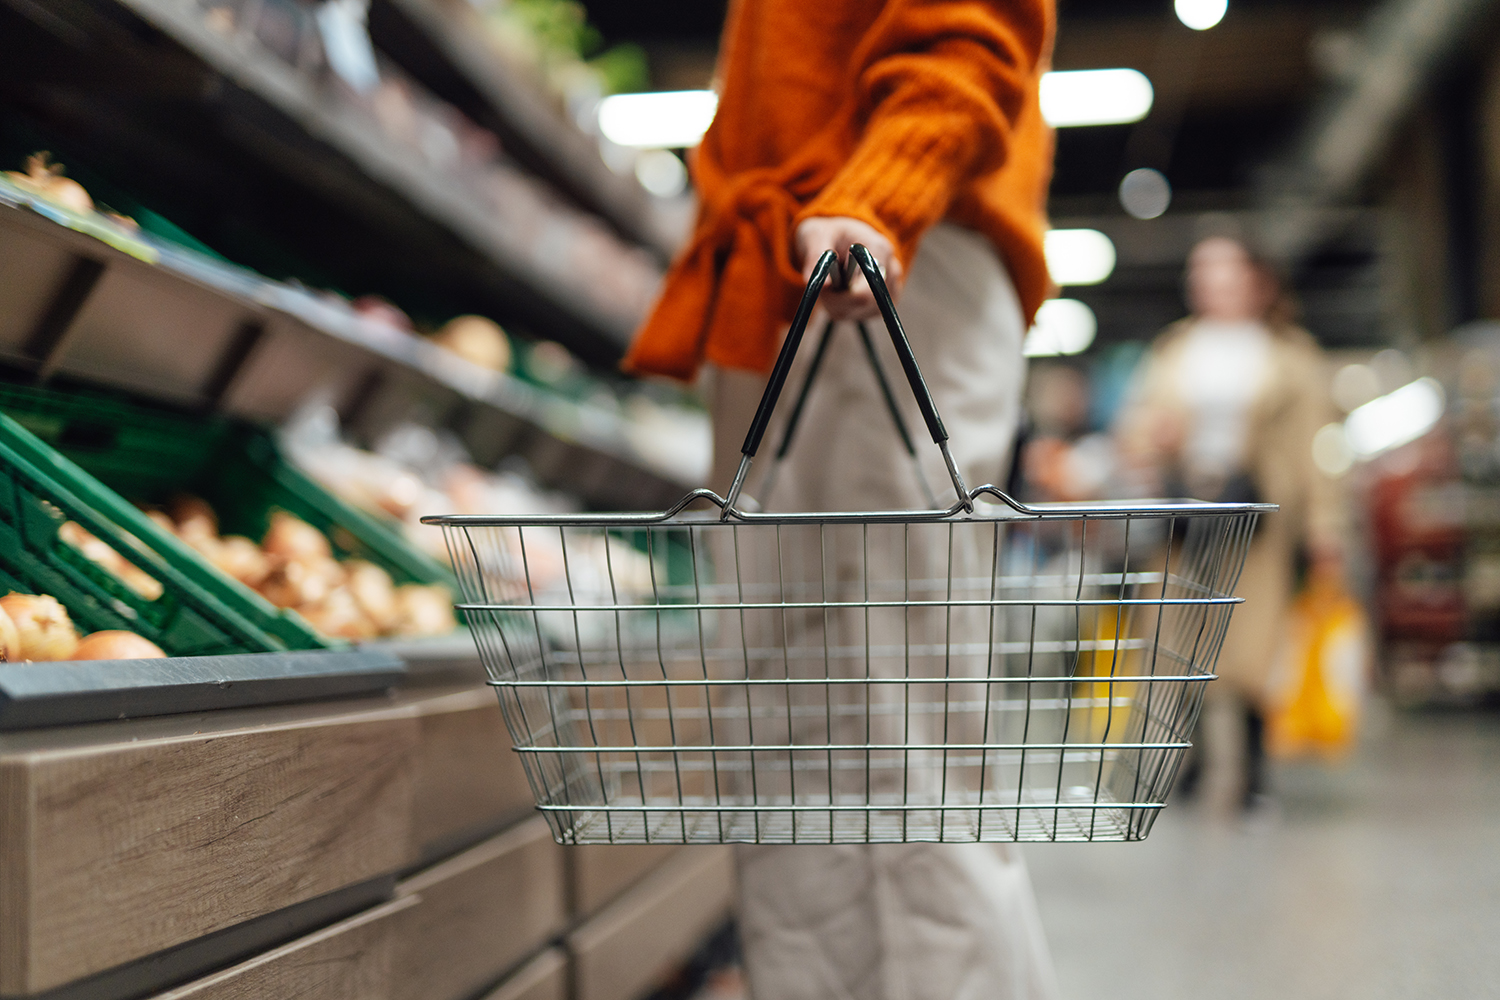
[1378, 881]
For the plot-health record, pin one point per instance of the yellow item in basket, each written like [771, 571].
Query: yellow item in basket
[1315, 698]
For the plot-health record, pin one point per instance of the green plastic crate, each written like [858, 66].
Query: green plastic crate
[106, 454]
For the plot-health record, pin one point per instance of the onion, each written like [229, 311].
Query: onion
[44, 627]
[338, 614]
[424, 610]
[379, 310]
[373, 592]
[99, 551]
[117, 644]
[293, 538]
[162, 521]
[298, 583]
[10, 639]
[242, 559]
[46, 180]
[193, 516]
[477, 340]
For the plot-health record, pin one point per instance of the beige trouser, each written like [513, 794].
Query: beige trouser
[893, 921]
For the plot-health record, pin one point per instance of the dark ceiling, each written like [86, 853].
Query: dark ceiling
[1227, 100]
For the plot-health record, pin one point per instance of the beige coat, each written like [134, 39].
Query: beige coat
[1290, 408]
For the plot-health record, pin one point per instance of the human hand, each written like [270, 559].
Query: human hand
[836, 233]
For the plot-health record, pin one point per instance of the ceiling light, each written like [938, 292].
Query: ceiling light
[1145, 193]
[1396, 418]
[670, 119]
[1079, 256]
[1095, 97]
[1200, 15]
[1063, 326]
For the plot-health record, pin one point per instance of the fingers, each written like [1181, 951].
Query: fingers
[816, 235]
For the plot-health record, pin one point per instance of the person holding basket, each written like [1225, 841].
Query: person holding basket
[914, 129]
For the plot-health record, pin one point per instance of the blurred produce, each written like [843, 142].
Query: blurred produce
[551, 364]
[477, 340]
[294, 567]
[45, 630]
[379, 310]
[117, 644]
[37, 627]
[137, 579]
[553, 40]
[45, 179]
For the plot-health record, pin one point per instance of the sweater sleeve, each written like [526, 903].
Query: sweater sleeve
[941, 84]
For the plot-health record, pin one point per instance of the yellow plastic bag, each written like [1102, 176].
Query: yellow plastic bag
[1318, 687]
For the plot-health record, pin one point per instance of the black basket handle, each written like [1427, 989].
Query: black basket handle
[826, 268]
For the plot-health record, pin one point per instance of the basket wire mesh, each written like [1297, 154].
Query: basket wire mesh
[990, 672]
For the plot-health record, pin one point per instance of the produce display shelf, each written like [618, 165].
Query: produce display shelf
[312, 170]
[440, 44]
[81, 299]
[174, 597]
[395, 168]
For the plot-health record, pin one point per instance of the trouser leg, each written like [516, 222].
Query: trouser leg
[896, 921]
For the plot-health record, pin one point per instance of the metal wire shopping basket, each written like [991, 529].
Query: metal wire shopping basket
[992, 671]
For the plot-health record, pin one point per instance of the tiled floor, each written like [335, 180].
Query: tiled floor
[1380, 880]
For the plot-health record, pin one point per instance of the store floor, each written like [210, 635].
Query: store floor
[1379, 880]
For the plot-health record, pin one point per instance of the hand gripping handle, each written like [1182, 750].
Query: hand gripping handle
[827, 267]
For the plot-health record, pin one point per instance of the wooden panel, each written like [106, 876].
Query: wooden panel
[480, 913]
[543, 978]
[122, 839]
[468, 781]
[351, 960]
[642, 936]
[597, 873]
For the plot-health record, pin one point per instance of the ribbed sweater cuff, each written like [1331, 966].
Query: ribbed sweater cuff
[901, 179]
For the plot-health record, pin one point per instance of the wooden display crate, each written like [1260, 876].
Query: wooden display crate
[597, 873]
[479, 914]
[626, 949]
[468, 781]
[350, 960]
[119, 840]
[543, 978]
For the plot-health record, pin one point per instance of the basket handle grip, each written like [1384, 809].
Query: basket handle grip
[828, 267]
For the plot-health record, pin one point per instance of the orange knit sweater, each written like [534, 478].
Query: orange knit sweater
[900, 113]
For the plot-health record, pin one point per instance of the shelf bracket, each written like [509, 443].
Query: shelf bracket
[48, 341]
[247, 337]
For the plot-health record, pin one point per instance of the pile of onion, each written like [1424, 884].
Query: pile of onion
[37, 627]
[294, 567]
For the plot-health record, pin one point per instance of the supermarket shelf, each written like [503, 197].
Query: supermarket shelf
[82, 300]
[442, 45]
[33, 695]
[305, 165]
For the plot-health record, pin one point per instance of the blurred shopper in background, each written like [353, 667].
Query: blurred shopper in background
[915, 129]
[1225, 407]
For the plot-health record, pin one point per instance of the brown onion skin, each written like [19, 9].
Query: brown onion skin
[117, 644]
[45, 629]
[293, 538]
[10, 640]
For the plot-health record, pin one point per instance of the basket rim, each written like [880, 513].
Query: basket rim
[967, 511]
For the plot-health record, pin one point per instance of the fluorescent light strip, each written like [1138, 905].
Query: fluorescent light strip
[671, 119]
[1095, 97]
